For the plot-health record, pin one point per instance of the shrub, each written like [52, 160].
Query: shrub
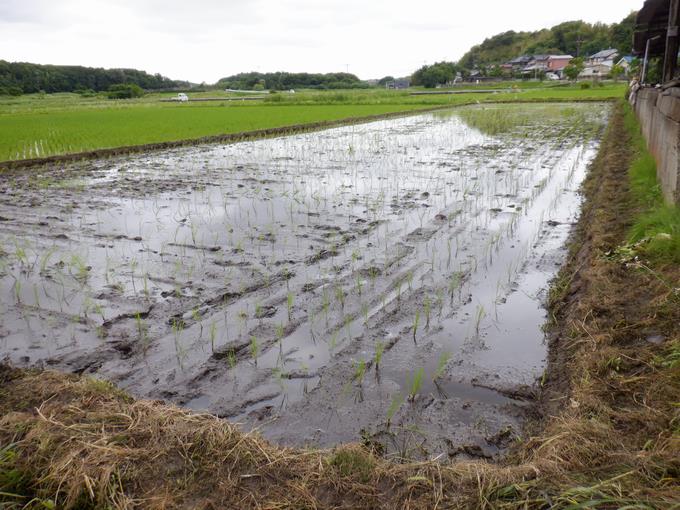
[85, 92]
[11, 91]
[585, 85]
[125, 91]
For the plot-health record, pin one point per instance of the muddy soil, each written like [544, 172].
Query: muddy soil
[383, 281]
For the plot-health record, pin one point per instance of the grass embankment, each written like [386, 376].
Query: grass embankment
[42, 126]
[610, 437]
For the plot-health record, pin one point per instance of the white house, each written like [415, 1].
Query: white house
[600, 64]
[626, 63]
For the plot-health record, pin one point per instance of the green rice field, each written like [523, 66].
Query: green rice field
[35, 126]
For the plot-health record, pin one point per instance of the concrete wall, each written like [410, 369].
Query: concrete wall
[659, 115]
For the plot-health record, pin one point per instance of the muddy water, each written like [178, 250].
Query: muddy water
[262, 281]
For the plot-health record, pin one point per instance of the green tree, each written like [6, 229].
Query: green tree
[617, 71]
[384, 81]
[574, 68]
[439, 73]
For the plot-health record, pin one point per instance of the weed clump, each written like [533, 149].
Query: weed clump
[353, 463]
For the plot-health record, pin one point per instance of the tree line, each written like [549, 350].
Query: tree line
[25, 78]
[287, 81]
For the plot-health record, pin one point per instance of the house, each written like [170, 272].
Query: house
[595, 71]
[605, 57]
[517, 64]
[537, 64]
[600, 64]
[626, 63]
[557, 63]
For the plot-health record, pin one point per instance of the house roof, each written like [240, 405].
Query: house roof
[560, 57]
[605, 54]
[520, 60]
[628, 58]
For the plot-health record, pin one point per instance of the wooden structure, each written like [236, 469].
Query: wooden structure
[657, 34]
[658, 108]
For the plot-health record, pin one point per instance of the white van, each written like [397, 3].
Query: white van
[181, 97]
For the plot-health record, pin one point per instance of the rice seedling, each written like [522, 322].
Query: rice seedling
[395, 404]
[443, 360]
[427, 308]
[333, 341]
[178, 328]
[289, 305]
[213, 336]
[20, 254]
[44, 260]
[454, 283]
[133, 266]
[254, 348]
[416, 321]
[479, 317]
[373, 275]
[379, 350]
[231, 359]
[416, 384]
[355, 257]
[340, 296]
[325, 304]
[17, 291]
[196, 316]
[360, 371]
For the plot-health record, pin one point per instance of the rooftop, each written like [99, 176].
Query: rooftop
[605, 53]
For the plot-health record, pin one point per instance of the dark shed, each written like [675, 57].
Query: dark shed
[656, 27]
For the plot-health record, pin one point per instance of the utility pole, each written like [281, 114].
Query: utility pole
[578, 45]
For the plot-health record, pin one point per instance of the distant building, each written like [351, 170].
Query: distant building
[595, 71]
[537, 64]
[398, 84]
[557, 63]
[519, 63]
[600, 64]
[626, 63]
[603, 57]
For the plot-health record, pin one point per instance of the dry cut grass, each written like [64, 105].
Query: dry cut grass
[609, 436]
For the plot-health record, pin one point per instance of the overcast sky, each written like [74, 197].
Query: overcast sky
[204, 40]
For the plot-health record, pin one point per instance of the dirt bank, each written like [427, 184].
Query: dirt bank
[608, 438]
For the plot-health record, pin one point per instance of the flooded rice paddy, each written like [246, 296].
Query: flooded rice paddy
[383, 281]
